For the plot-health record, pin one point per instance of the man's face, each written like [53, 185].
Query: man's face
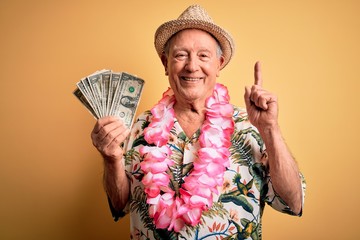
[192, 65]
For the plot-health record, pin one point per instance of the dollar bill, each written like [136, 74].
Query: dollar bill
[107, 93]
[126, 98]
[84, 88]
[84, 101]
[96, 85]
[115, 80]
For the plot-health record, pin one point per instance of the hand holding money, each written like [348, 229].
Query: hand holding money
[107, 93]
[107, 135]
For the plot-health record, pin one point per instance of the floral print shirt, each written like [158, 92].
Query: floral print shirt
[237, 209]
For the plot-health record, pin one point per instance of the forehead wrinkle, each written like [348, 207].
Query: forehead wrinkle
[196, 45]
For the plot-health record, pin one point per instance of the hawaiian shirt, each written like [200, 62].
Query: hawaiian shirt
[237, 209]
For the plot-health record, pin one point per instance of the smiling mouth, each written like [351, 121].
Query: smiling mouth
[191, 79]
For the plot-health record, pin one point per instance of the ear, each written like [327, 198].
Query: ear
[221, 64]
[165, 63]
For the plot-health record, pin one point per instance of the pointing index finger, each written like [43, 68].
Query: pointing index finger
[257, 74]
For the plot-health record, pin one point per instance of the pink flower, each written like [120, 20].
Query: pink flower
[222, 93]
[211, 154]
[156, 154]
[167, 199]
[214, 137]
[161, 201]
[162, 115]
[163, 219]
[158, 178]
[223, 123]
[196, 193]
[154, 167]
[152, 190]
[162, 121]
[200, 202]
[156, 151]
[192, 216]
[177, 224]
[156, 136]
[220, 110]
[220, 96]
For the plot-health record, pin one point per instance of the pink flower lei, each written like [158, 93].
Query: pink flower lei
[171, 209]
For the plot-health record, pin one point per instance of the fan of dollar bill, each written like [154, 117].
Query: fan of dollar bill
[107, 93]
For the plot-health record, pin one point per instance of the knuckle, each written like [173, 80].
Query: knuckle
[110, 136]
[117, 141]
[102, 131]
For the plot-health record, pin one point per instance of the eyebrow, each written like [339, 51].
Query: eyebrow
[181, 48]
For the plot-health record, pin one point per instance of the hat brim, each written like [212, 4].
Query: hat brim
[168, 29]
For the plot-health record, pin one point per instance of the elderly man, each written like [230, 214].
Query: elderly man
[195, 166]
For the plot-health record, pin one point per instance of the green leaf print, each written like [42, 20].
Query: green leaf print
[238, 200]
[240, 150]
[138, 204]
[140, 141]
[131, 156]
[163, 234]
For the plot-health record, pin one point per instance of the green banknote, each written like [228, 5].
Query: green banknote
[107, 93]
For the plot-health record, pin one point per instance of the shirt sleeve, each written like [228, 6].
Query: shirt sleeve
[117, 214]
[277, 203]
[268, 194]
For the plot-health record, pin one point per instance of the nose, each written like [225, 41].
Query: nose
[192, 64]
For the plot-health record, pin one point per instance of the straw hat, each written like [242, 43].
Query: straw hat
[195, 17]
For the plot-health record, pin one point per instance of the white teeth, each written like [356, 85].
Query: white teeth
[191, 79]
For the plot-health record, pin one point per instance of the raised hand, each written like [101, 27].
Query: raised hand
[261, 105]
[107, 135]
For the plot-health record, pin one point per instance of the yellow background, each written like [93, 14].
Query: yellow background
[50, 174]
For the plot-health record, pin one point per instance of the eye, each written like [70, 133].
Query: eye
[180, 55]
[204, 55]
